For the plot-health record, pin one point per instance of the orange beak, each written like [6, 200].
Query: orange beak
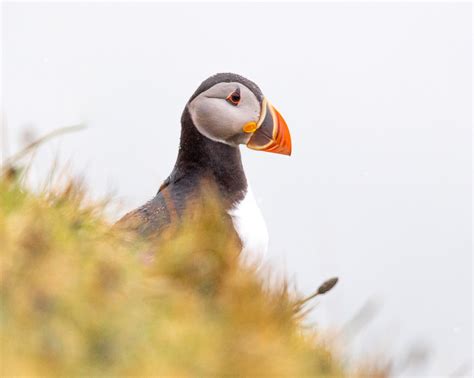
[272, 134]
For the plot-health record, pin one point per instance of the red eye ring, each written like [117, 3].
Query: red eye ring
[234, 97]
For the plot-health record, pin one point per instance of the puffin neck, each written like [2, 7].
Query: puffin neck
[202, 157]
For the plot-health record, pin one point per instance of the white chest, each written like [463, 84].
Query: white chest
[250, 226]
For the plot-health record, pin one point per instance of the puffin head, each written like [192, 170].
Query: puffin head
[231, 109]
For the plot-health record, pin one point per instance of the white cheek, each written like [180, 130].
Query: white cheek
[205, 119]
[218, 120]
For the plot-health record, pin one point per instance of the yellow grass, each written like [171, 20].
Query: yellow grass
[79, 298]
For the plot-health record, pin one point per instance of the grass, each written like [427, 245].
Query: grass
[80, 298]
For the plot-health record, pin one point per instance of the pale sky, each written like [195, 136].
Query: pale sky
[378, 101]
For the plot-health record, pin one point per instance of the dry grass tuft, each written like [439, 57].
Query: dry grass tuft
[80, 298]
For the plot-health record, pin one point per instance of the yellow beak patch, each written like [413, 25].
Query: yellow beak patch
[249, 127]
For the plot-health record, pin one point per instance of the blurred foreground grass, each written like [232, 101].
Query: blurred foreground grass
[79, 298]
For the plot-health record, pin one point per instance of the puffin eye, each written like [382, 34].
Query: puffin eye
[234, 97]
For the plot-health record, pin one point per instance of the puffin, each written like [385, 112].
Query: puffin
[226, 111]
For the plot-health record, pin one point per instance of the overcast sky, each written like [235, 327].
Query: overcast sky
[378, 101]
